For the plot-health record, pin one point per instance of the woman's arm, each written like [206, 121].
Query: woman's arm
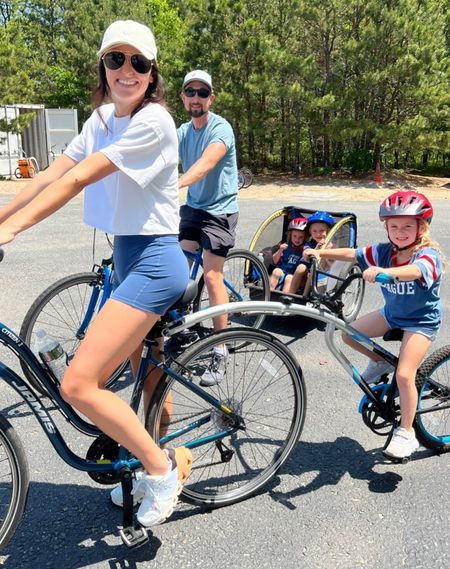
[57, 193]
[54, 172]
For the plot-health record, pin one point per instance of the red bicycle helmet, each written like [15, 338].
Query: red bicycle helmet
[406, 203]
[298, 223]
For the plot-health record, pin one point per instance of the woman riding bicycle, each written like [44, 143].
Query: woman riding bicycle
[126, 159]
[412, 303]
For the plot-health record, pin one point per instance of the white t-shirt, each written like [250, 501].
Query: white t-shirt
[141, 198]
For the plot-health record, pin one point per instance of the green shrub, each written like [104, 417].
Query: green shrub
[359, 160]
[322, 171]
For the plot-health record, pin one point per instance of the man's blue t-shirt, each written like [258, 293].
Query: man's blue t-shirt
[217, 192]
[408, 303]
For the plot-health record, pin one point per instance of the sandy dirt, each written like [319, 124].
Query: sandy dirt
[360, 189]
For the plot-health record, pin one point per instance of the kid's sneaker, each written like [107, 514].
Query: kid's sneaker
[160, 493]
[402, 445]
[374, 371]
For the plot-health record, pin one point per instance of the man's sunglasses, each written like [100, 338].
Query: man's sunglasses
[115, 60]
[202, 92]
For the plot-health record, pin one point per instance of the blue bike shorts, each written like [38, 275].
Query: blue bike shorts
[151, 272]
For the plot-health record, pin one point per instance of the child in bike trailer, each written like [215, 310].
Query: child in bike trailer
[126, 158]
[318, 226]
[289, 255]
[412, 303]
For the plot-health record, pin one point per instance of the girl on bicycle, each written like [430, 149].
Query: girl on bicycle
[126, 160]
[412, 302]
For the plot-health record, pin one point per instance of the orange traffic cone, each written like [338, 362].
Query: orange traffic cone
[377, 176]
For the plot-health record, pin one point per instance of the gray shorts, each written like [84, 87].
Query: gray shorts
[215, 233]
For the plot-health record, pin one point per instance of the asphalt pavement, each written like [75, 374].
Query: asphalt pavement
[336, 503]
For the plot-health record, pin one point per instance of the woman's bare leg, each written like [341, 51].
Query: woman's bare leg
[115, 334]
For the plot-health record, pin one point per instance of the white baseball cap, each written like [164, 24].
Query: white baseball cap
[198, 75]
[131, 33]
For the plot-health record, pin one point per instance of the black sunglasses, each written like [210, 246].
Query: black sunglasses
[202, 92]
[115, 60]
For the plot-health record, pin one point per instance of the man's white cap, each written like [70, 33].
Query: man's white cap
[131, 33]
[198, 75]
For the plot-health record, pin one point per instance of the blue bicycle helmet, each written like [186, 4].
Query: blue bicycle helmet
[322, 216]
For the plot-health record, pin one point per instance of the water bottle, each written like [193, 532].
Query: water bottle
[52, 353]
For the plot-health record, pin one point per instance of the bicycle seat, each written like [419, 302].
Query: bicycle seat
[393, 335]
[187, 297]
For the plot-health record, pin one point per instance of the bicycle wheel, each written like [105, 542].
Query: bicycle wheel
[343, 235]
[262, 383]
[241, 180]
[60, 310]
[14, 480]
[432, 421]
[248, 177]
[353, 295]
[245, 278]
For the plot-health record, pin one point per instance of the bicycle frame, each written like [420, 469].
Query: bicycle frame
[41, 410]
[293, 309]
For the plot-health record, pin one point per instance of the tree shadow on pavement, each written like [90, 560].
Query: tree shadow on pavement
[330, 461]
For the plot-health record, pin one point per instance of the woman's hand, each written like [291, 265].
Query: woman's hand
[6, 235]
[370, 274]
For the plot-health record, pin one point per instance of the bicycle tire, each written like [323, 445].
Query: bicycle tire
[248, 177]
[248, 276]
[18, 173]
[264, 384]
[241, 180]
[14, 475]
[433, 386]
[353, 297]
[59, 310]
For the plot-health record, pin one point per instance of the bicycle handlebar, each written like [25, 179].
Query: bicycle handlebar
[332, 299]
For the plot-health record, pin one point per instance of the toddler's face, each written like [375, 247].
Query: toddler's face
[318, 231]
[297, 237]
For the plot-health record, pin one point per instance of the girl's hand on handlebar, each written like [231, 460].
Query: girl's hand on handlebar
[378, 275]
[307, 253]
[371, 273]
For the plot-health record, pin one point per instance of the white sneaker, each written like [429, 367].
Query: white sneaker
[374, 371]
[402, 445]
[216, 370]
[161, 492]
[117, 496]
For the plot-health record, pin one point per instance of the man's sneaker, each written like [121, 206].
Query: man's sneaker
[402, 445]
[374, 371]
[161, 492]
[216, 370]
[180, 341]
[117, 496]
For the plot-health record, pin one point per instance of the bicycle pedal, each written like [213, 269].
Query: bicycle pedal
[403, 460]
[134, 536]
